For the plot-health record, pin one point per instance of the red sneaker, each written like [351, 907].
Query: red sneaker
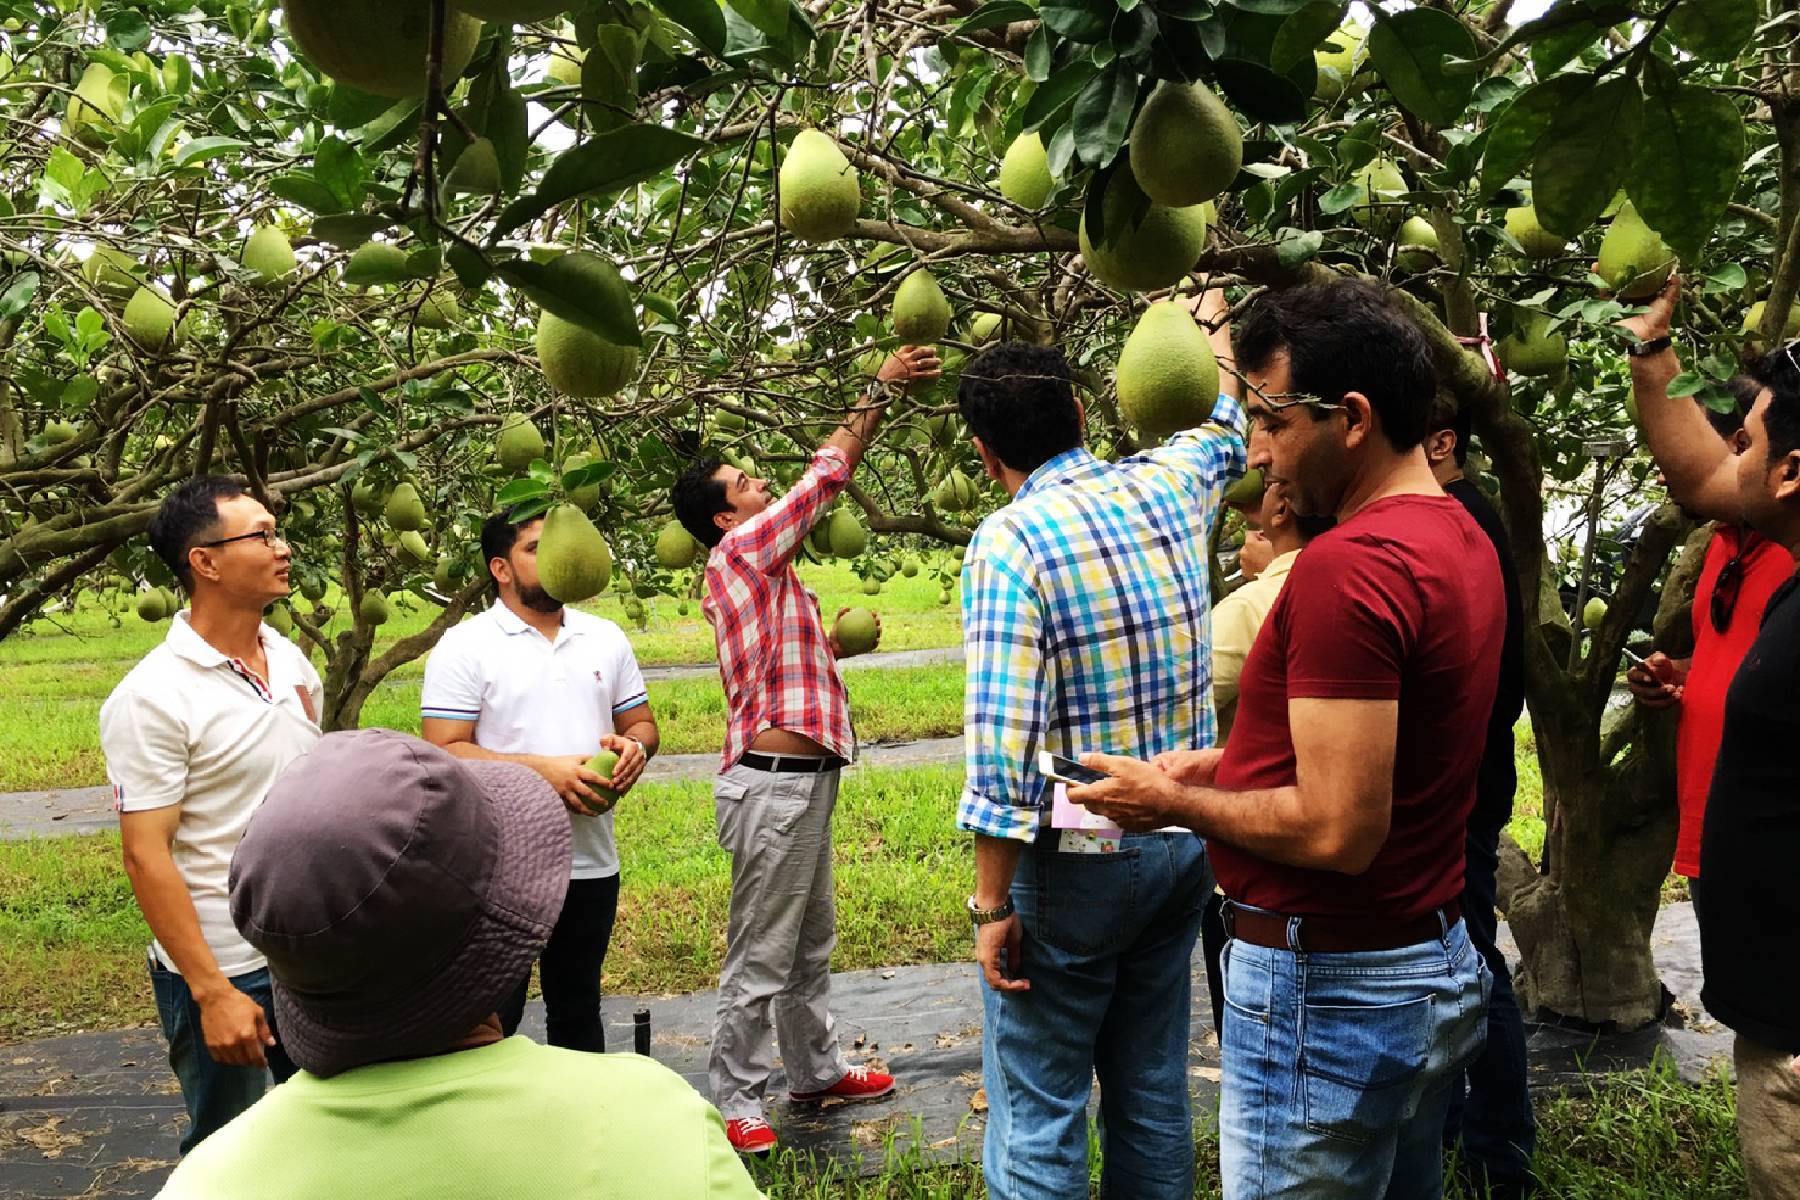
[860, 1084]
[750, 1135]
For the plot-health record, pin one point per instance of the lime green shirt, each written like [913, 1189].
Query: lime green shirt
[511, 1119]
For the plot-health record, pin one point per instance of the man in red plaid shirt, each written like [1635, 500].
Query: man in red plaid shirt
[787, 735]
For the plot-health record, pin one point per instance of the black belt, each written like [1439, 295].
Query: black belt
[790, 764]
[1329, 935]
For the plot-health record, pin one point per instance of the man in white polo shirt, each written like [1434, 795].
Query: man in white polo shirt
[194, 737]
[532, 682]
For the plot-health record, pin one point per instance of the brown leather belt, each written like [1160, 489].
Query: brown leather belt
[1336, 935]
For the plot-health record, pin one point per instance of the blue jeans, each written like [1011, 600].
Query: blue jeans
[1490, 1121]
[1107, 945]
[1338, 1067]
[213, 1094]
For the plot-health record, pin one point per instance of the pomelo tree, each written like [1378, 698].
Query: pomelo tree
[333, 245]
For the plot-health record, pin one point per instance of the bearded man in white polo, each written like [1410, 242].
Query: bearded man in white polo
[530, 681]
[194, 737]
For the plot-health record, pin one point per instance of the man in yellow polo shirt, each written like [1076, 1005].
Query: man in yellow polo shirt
[1237, 618]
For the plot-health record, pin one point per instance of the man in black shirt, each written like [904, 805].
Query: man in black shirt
[1490, 1124]
[1750, 923]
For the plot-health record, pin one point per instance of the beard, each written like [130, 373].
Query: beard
[538, 600]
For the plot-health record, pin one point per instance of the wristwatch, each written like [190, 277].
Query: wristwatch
[884, 391]
[640, 745]
[1655, 345]
[989, 916]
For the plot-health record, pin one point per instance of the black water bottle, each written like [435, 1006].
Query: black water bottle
[640, 1029]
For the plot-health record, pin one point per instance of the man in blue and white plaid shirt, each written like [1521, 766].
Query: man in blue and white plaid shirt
[1085, 617]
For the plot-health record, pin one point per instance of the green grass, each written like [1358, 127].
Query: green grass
[72, 940]
[1643, 1134]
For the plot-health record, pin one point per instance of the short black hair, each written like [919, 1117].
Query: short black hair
[1447, 412]
[1780, 374]
[1018, 400]
[698, 497]
[187, 516]
[499, 533]
[1743, 390]
[1345, 335]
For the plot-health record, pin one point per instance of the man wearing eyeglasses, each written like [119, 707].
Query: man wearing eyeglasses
[1750, 911]
[1335, 815]
[1742, 569]
[194, 737]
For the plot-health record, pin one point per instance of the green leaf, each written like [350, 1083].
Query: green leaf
[1412, 52]
[1514, 136]
[472, 270]
[128, 30]
[1728, 278]
[1341, 197]
[572, 296]
[1261, 93]
[509, 130]
[1102, 115]
[1686, 384]
[17, 297]
[201, 149]
[1084, 21]
[1055, 92]
[1277, 8]
[1038, 56]
[392, 127]
[339, 168]
[349, 108]
[1298, 246]
[774, 19]
[1303, 30]
[701, 18]
[521, 489]
[662, 306]
[348, 231]
[1581, 161]
[308, 193]
[996, 13]
[1713, 30]
[1690, 152]
[607, 162]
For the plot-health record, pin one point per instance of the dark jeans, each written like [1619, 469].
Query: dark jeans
[213, 1094]
[1490, 1123]
[569, 968]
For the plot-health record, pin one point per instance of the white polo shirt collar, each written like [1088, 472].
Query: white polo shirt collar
[511, 624]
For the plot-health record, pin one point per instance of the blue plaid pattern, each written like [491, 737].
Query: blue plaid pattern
[1086, 604]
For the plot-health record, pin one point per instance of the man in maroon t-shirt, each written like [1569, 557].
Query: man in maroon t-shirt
[1335, 816]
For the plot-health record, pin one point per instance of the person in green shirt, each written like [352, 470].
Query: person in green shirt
[400, 894]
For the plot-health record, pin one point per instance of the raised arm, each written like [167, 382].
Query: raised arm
[1699, 466]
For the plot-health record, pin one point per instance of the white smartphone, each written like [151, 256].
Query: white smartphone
[1055, 766]
[1635, 657]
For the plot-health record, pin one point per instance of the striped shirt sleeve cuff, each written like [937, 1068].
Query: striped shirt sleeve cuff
[451, 714]
[977, 814]
[632, 702]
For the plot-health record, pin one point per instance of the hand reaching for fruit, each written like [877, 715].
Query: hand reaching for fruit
[911, 364]
[1656, 320]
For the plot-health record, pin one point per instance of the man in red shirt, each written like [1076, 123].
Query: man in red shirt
[1741, 571]
[1335, 815]
[787, 734]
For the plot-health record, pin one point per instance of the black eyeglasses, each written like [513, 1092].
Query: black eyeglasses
[268, 537]
[1725, 592]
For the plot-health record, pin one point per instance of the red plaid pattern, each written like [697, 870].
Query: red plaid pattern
[774, 659]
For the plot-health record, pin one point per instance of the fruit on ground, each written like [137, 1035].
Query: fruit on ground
[519, 443]
[856, 631]
[676, 548]
[1186, 146]
[1154, 253]
[1247, 488]
[1418, 246]
[412, 544]
[1025, 171]
[150, 606]
[150, 319]
[579, 362]
[269, 254]
[1634, 260]
[604, 764]
[99, 100]
[379, 46]
[921, 310]
[1168, 379]
[943, 595]
[1337, 60]
[1593, 614]
[513, 12]
[112, 273]
[477, 170]
[820, 195]
[845, 534]
[1531, 349]
[909, 567]
[573, 560]
[1537, 242]
[404, 509]
[1380, 184]
[373, 609]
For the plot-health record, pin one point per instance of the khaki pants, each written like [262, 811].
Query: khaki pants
[1768, 1120]
[776, 981]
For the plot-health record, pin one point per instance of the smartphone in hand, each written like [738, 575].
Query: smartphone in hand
[1067, 770]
